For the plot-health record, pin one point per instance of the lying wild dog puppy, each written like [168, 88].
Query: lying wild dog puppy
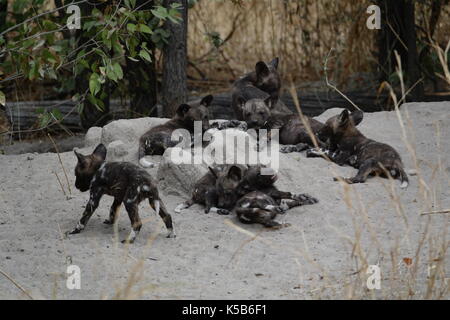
[259, 114]
[216, 190]
[259, 207]
[254, 180]
[262, 83]
[159, 138]
[262, 201]
[368, 156]
[340, 157]
[126, 182]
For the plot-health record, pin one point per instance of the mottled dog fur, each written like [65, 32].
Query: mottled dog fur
[126, 182]
[259, 114]
[159, 138]
[216, 190]
[368, 156]
[262, 83]
[223, 185]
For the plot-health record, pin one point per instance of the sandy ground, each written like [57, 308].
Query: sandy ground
[321, 255]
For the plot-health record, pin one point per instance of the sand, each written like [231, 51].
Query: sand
[324, 254]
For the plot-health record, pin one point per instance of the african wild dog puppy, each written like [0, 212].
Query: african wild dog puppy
[126, 182]
[259, 114]
[262, 201]
[334, 154]
[216, 189]
[259, 207]
[368, 156]
[159, 138]
[254, 180]
[262, 83]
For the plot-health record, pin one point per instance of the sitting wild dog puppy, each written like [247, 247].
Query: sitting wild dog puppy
[259, 114]
[368, 156]
[254, 180]
[126, 182]
[216, 190]
[159, 138]
[262, 83]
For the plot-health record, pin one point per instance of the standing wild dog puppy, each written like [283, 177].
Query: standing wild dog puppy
[159, 138]
[126, 182]
[368, 156]
[216, 190]
[262, 83]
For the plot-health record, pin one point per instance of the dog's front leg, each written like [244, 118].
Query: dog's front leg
[95, 196]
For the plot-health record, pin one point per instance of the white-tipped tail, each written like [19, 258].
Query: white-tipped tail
[145, 163]
[404, 185]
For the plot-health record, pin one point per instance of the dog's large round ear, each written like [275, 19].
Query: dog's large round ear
[262, 70]
[206, 101]
[214, 173]
[80, 157]
[269, 102]
[274, 63]
[100, 151]
[357, 117]
[241, 101]
[235, 173]
[343, 117]
[183, 109]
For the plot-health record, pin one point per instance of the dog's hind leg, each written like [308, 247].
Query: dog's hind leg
[363, 173]
[160, 209]
[136, 224]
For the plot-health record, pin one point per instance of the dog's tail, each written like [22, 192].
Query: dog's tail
[403, 177]
[397, 172]
[184, 205]
[142, 161]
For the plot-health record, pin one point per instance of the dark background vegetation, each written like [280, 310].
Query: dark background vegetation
[132, 56]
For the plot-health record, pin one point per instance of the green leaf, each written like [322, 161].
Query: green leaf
[145, 29]
[131, 27]
[94, 84]
[145, 55]
[118, 70]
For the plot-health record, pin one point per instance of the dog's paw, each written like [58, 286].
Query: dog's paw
[305, 198]
[74, 231]
[315, 153]
[171, 234]
[287, 149]
[127, 241]
[223, 212]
